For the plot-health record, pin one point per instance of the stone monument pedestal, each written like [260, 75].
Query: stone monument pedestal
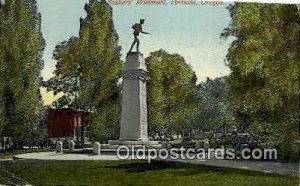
[134, 113]
[130, 143]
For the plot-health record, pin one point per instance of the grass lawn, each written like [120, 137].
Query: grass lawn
[132, 173]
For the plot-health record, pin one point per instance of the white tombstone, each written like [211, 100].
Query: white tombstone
[59, 147]
[71, 145]
[96, 148]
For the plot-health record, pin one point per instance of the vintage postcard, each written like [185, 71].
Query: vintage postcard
[149, 92]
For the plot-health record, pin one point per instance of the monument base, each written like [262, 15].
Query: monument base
[130, 143]
[112, 147]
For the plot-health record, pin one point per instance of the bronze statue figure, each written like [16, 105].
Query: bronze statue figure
[137, 27]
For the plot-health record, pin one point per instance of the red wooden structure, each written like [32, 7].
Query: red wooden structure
[62, 123]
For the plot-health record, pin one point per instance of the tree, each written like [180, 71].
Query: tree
[88, 69]
[21, 62]
[214, 108]
[171, 93]
[264, 83]
[2, 118]
[67, 74]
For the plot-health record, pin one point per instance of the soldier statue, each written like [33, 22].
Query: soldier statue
[137, 29]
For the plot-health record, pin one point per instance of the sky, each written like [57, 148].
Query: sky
[191, 31]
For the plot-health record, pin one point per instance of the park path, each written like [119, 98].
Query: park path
[291, 169]
[2, 160]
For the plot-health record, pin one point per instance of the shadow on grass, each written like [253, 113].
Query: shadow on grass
[136, 166]
[178, 168]
[133, 172]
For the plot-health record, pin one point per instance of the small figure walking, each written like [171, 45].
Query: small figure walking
[137, 27]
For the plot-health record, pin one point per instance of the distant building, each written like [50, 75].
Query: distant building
[67, 123]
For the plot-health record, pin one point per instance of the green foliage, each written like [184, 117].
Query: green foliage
[21, 46]
[214, 108]
[171, 93]
[88, 70]
[106, 123]
[2, 110]
[264, 59]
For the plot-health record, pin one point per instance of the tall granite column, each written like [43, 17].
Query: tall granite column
[134, 121]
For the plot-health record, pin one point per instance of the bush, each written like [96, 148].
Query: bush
[289, 152]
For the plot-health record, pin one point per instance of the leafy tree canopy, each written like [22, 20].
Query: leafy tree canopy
[264, 59]
[171, 93]
[21, 46]
[88, 68]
